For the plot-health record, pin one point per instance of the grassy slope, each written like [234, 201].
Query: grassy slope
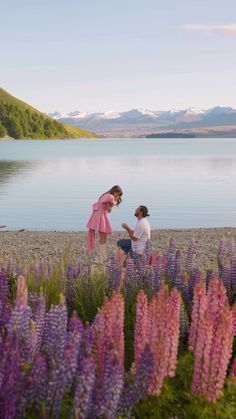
[73, 132]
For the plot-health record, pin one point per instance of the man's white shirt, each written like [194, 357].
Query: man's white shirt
[142, 232]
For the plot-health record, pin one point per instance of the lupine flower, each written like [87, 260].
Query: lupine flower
[227, 281]
[233, 271]
[173, 330]
[171, 259]
[198, 313]
[85, 382]
[220, 355]
[213, 344]
[62, 375]
[202, 355]
[190, 254]
[38, 379]
[107, 396]
[156, 277]
[234, 318]
[4, 306]
[163, 338]
[22, 291]
[137, 383]
[9, 375]
[55, 331]
[142, 327]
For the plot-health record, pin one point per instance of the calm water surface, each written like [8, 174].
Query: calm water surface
[51, 185]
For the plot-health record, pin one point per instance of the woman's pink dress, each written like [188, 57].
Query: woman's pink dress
[99, 220]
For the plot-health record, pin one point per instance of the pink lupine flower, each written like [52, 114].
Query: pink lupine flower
[109, 329]
[163, 342]
[220, 355]
[213, 342]
[142, 325]
[198, 313]
[216, 300]
[234, 318]
[202, 356]
[173, 330]
[22, 291]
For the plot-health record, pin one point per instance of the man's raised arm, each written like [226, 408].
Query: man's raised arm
[130, 232]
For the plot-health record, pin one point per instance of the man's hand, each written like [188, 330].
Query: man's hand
[125, 226]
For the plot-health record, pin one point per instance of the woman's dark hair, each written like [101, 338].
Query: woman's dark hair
[144, 210]
[114, 189]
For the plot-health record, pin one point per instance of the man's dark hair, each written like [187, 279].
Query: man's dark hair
[144, 210]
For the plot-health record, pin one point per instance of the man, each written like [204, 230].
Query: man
[139, 236]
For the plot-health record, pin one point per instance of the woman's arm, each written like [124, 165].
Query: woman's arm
[108, 206]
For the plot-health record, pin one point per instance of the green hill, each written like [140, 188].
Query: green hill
[20, 120]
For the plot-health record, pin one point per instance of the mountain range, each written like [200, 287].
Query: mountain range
[217, 121]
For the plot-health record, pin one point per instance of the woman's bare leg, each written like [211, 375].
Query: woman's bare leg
[102, 246]
[102, 237]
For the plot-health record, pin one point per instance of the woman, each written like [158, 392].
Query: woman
[99, 220]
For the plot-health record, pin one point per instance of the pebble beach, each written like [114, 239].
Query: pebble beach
[53, 244]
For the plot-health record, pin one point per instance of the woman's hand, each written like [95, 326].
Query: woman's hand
[108, 207]
[125, 226]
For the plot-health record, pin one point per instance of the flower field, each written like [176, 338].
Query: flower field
[150, 339]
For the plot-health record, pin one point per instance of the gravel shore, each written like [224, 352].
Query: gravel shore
[28, 244]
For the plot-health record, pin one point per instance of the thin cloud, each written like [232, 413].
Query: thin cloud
[228, 29]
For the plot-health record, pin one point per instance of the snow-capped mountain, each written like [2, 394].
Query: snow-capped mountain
[143, 121]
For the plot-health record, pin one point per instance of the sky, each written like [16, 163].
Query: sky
[100, 55]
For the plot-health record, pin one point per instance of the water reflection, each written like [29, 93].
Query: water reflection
[57, 191]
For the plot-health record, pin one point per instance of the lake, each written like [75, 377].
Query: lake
[51, 185]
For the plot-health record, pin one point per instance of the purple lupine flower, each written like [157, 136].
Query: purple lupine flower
[137, 384]
[190, 254]
[38, 379]
[131, 269]
[185, 291]
[193, 276]
[4, 306]
[156, 278]
[39, 317]
[171, 260]
[19, 324]
[63, 374]
[177, 278]
[108, 394]
[55, 331]
[9, 375]
[114, 274]
[226, 279]
[84, 389]
[233, 272]
[75, 324]
[230, 248]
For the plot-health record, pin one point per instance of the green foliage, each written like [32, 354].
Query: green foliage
[51, 287]
[3, 131]
[90, 293]
[19, 120]
[129, 326]
[12, 288]
[177, 401]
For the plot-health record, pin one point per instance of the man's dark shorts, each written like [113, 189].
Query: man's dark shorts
[126, 246]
